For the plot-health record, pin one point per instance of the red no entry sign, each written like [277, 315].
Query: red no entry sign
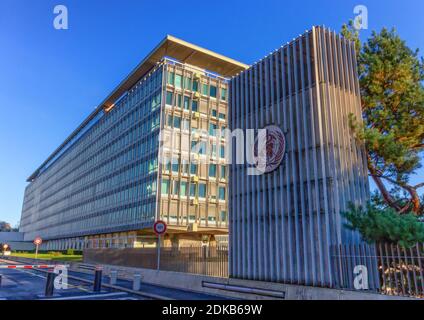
[38, 241]
[159, 227]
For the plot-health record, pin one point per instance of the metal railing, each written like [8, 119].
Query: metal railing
[386, 268]
[205, 260]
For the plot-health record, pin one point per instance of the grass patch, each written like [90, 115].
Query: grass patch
[49, 256]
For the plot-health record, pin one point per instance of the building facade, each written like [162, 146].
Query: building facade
[285, 220]
[108, 183]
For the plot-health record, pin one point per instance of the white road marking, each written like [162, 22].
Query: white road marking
[112, 294]
[39, 276]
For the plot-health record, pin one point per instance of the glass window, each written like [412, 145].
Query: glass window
[170, 78]
[175, 165]
[184, 167]
[222, 116]
[205, 89]
[195, 85]
[222, 153]
[212, 129]
[221, 193]
[176, 188]
[183, 189]
[178, 80]
[212, 170]
[223, 172]
[202, 190]
[186, 124]
[186, 102]
[169, 97]
[223, 216]
[214, 113]
[213, 150]
[194, 106]
[223, 94]
[212, 91]
[177, 122]
[169, 120]
[165, 187]
[193, 168]
[187, 83]
[192, 190]
[179, 98]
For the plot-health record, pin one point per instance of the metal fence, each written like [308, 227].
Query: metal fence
[389, 269]
[205, 260]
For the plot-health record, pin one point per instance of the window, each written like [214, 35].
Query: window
[179, 98]
[205, 89]
[195, 86]
[170, 78]
[212, 170]
[212, 91]
[221, 193]
[175, 165]
[165, 187]
[222, 154]
[202, 190]
[223, 172]
[186, 102]
[214, 113]
[222, 116]
[223, 216]
[169, 97]
[187, 83]
[184, 167]
[183, 189]
[192, 190]
[213, 150]
[223, 94]
[193, 168]
[186, 124]
[177, 122]
[194, 105]
[167, 164]
[212, 129]
[176, 188]
[178, 80]
[169, 120]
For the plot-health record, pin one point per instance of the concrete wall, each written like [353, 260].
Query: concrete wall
[196, 283]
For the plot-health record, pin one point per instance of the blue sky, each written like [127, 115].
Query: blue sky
[50, 80]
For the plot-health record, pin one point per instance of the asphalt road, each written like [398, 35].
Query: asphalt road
[22, 284]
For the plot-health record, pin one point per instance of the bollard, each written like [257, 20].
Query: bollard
[113, 276]
[136, 282]
[49, 284]
[97, 286]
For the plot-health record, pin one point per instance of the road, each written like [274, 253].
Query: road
[22, 284]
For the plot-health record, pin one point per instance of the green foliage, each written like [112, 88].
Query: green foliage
[54, 253]
[391, 79]
[385, 225]
[70, 252]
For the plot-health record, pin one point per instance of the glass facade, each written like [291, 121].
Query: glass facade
[108, 177]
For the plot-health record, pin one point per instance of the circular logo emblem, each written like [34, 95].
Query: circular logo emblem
[38, 241]
[269, 148]
[159, 227]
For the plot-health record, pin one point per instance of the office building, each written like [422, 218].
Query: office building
[109, 181]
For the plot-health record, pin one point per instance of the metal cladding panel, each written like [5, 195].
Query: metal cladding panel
[283, 223]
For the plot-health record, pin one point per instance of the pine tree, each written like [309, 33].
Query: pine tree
[392, 96]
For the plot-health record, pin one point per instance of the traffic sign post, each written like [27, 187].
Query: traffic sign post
[160, 228]
[37, 242]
